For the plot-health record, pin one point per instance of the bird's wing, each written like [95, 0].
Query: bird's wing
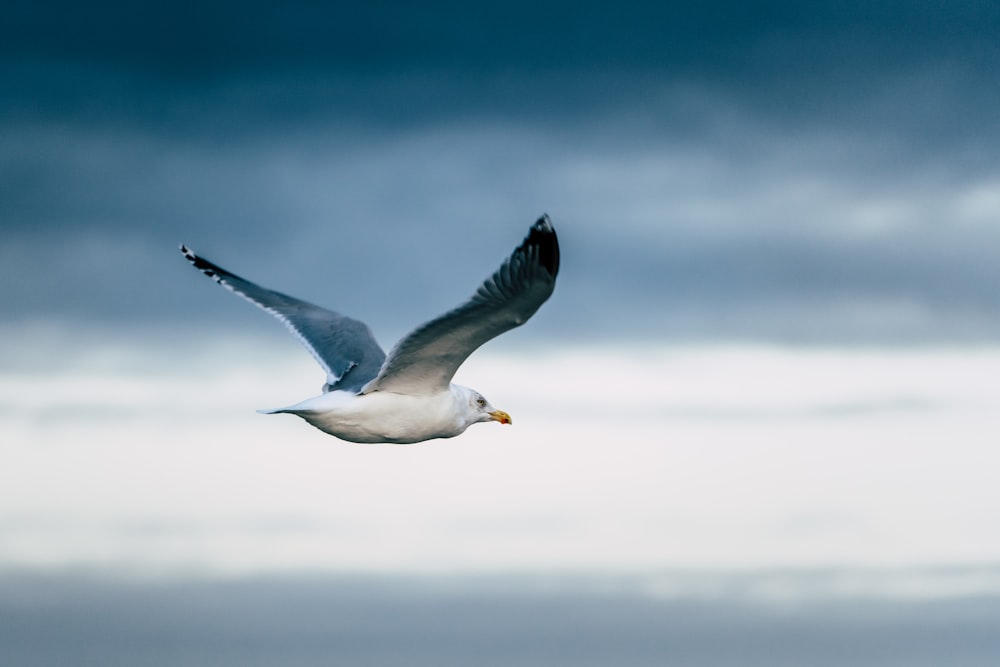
[344, 347]
[425, 361]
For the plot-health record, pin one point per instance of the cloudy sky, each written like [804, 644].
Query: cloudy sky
[764, 171]
[772, 349]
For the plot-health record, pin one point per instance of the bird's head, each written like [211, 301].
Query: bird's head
[480, 409]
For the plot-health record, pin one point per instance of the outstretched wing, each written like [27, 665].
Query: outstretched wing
[425, 361]
[344, 347]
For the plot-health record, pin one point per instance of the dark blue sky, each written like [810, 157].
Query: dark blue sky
[780, 171]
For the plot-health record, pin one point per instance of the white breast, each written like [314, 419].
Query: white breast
[383, 416]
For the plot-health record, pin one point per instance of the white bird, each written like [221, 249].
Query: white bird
[407, 396]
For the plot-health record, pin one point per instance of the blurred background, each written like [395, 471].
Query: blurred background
[756, 424]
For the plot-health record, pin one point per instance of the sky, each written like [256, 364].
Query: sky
[758, 171]
[770, 356]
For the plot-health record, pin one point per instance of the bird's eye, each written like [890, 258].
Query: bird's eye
[481, 402]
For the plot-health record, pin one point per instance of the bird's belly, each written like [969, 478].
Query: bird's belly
[382, 417]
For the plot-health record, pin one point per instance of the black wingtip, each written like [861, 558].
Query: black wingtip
[190, 256]
[543, 236]
[202, 264]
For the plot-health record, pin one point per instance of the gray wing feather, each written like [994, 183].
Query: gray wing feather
[344, 347]
[425, 360]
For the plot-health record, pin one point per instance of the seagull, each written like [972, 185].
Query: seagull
[406, 396]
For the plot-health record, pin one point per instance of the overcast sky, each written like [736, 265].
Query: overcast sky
[745, 173]
[726, 178]
[768, 171]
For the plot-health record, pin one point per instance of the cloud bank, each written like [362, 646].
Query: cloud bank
[820, 174]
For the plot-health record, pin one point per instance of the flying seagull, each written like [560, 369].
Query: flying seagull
[407, 396]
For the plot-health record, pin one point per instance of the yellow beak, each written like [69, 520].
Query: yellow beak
[501, 417]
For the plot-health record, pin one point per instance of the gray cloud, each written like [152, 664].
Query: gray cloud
[231, 67]
[397, 621]
[774, 171]
[187, 37]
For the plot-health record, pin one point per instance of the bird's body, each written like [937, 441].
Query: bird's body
[390, 417]
[407, 396]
